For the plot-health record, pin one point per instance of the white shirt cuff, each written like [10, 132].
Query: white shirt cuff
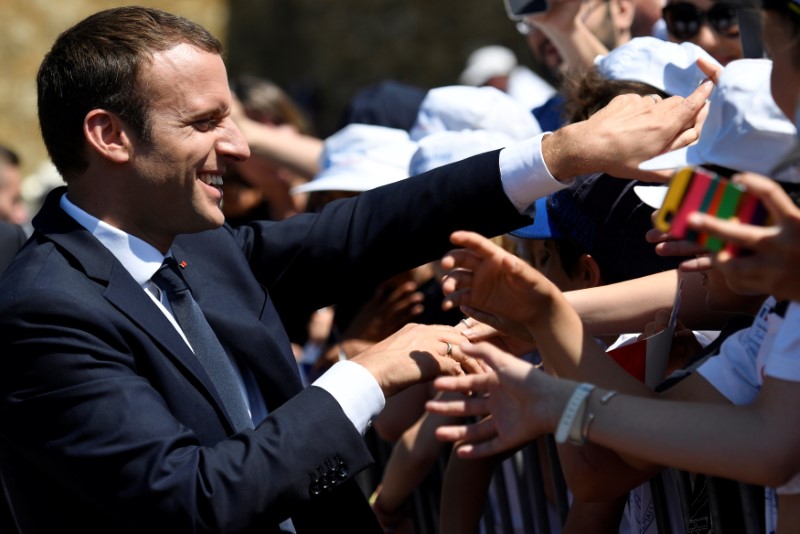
[525, 175]
[356, 391]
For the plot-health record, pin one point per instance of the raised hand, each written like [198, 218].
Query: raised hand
[628, 131]
[518, 403]
[494, 285]
[773, 252]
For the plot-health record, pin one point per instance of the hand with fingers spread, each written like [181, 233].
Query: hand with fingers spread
[772, 255]
[519, 403]
[495, 286]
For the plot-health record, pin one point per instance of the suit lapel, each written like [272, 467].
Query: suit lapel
[122, 291]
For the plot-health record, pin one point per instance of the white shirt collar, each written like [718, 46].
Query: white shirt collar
[139, 258]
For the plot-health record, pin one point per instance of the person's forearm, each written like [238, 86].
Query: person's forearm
[410, 462]
[595, 474]
[464, 492]
[627, 306]
[299, 152]
[569, 351]
[755, 444]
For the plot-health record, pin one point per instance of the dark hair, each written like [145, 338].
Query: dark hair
[265, 101]
[589, 92]
[95, 65]
[569, 254]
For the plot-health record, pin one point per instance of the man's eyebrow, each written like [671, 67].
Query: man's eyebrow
[218, 111]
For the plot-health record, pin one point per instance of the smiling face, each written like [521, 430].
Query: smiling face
[177, 174]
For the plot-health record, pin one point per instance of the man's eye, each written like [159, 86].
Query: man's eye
[205, 125]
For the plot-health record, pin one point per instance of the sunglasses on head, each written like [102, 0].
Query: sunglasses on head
[684, 20]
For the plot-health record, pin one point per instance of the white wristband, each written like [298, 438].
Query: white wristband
[573, 412]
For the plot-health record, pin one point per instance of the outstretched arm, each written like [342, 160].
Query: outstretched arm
[495, 286]
[755, 443]
[628, 131]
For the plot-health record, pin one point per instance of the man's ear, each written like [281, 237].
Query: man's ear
[589, 274]
[107, 135]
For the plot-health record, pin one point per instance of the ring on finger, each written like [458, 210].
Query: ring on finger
[449, 348]
[654, 97]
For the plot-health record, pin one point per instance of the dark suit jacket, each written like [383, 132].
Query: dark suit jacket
[12, 237]
[110, 424]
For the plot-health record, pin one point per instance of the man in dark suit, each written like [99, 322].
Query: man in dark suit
[111, 421]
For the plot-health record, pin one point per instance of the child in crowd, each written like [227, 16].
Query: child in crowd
[723, 438]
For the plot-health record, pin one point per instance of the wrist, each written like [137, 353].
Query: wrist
[563, 154]
[571, 420]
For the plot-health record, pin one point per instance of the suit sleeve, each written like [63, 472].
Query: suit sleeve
[84, 416]
[360, 242]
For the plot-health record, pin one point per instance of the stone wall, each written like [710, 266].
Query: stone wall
[320, 50]
[323, 50]
[28, 29]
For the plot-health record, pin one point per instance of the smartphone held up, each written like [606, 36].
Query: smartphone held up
[699, 189]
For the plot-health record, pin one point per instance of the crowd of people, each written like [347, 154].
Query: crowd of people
[221, 318]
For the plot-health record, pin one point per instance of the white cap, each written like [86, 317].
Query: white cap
[652, 195]
[670, 67]
[486, 63]
[459, 107]
[360, 157]
[744, 131]
[442, 148]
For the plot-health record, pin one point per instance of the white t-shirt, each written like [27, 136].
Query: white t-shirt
[769, 347]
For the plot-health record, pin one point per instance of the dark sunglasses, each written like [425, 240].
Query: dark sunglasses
[684, 20]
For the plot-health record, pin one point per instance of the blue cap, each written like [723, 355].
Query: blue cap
[605, 218]
[542, 227]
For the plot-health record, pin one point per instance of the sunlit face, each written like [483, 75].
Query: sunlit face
[595, 14]
[723, 48]
[178, 175]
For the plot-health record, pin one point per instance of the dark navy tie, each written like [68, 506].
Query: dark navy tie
[204, 342]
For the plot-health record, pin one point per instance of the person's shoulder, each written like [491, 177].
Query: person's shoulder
[11, 235]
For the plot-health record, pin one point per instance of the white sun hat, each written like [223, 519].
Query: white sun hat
[442, 148]
[745, 130]
[460, 107]
[667, 66]
[360, 157]
[487, 62]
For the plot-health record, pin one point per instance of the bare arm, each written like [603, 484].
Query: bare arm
[284, 146]
[628, 306]
[756, 443]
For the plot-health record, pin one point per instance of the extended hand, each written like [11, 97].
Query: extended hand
[493, 285]
[519, 402]
[416, 353]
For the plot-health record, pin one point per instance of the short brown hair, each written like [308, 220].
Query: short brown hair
[95, 65]
[588, 92]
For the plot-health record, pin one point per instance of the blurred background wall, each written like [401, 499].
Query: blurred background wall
[321, 51]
